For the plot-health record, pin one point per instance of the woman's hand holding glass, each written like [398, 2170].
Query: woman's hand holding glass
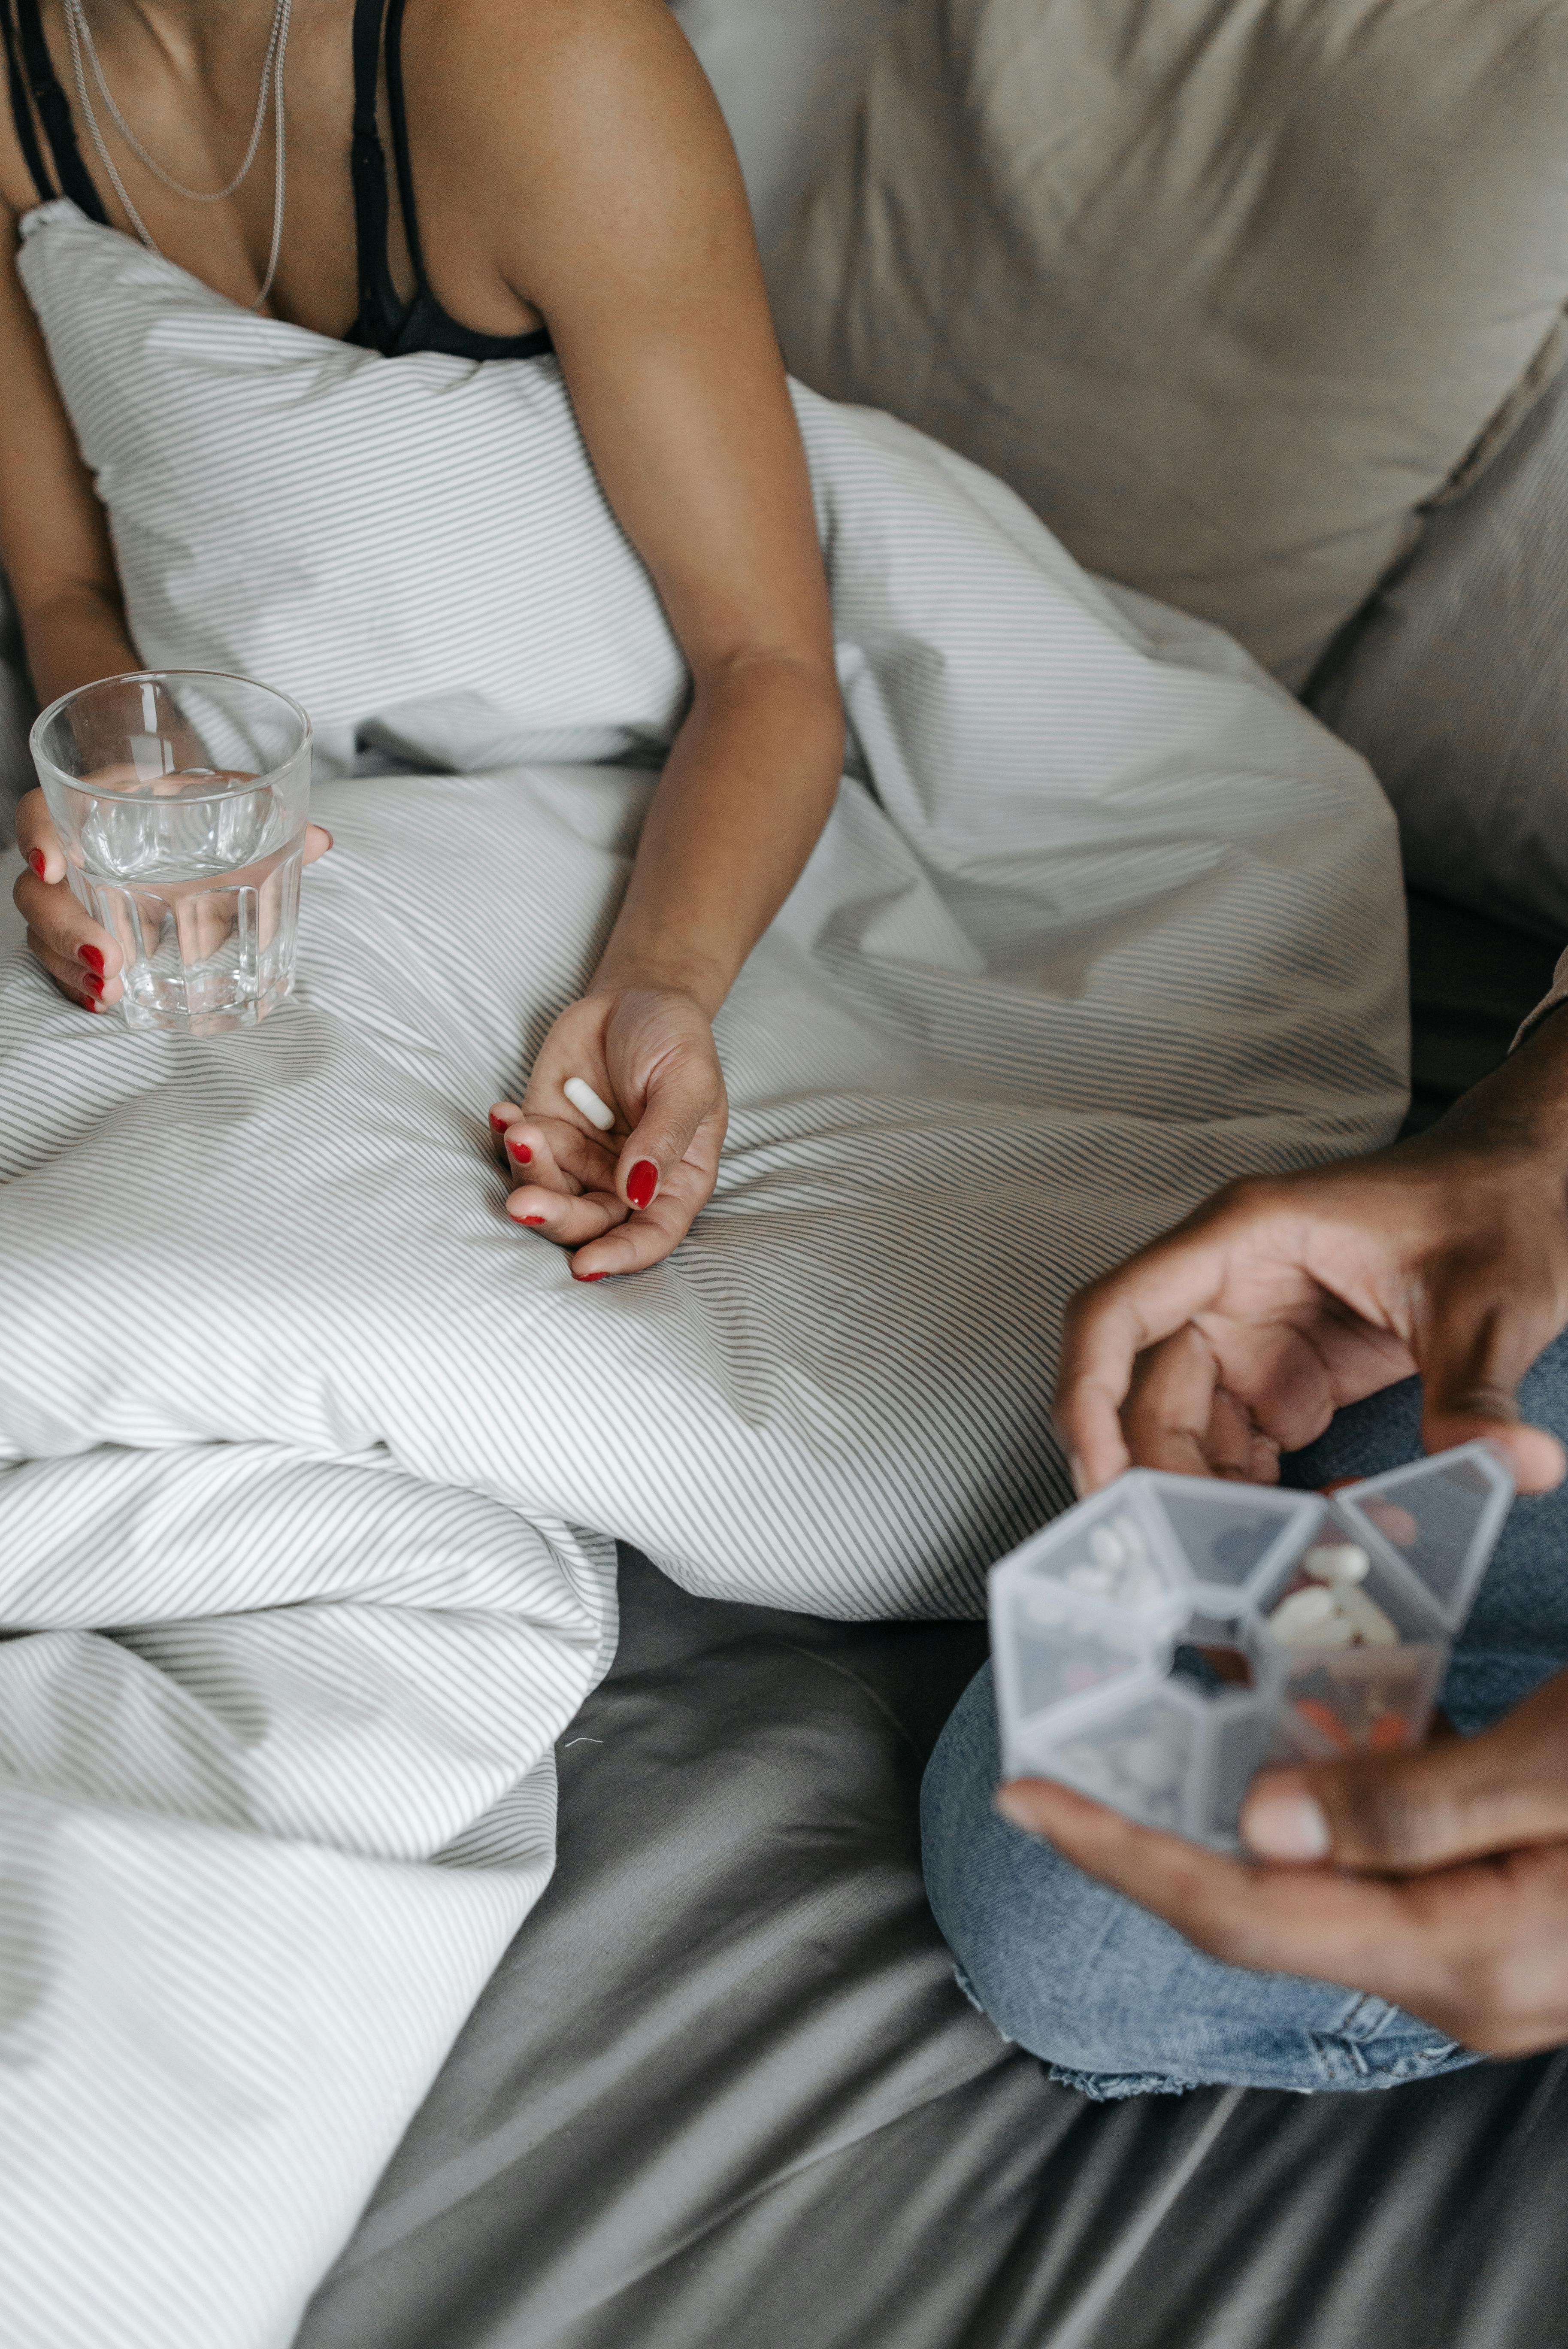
[81, 957]
[624, 1199]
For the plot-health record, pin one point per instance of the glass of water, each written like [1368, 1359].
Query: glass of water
[180, 801]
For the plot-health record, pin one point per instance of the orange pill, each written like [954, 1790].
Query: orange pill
[1323, 1716]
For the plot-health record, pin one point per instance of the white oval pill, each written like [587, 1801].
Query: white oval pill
[583, 1096]
[1308, 1619]
[1129, 1532]
[1104, 1547]
[1367, 1620]
[1340, 1561]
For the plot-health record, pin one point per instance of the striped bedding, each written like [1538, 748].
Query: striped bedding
[311, 1464]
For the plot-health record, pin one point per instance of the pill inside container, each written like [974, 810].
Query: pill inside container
[1338, 1616]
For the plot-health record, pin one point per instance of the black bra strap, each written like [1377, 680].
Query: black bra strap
[55, 114]
[367, 169]
[400, 139]
[21, 110]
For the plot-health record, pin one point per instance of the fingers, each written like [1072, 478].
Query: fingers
[1178, 1415]
[641, 1241]
[38, 839]
[1108, 1326]
[1473, 1350]
[682, 1094]
[81, 957]
[551, 1154]
[1477, 1948]
[317, 841]
[569, 1195]
[85, 987]
[569, 1219]
[1291, 1920]
[1409, 1813]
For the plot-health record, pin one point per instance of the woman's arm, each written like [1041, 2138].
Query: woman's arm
[55, 551]
[616, 211]
[54, 538]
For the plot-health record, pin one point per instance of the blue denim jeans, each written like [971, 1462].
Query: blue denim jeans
[1112, 1999]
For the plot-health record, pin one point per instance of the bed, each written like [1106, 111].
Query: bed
[762, 2113]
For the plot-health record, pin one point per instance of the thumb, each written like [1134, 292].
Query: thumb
[1473, 1352]
[1404, 1813]
[679, 1096]
[317, 841]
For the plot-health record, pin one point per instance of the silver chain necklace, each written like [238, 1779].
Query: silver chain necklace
[80, 34]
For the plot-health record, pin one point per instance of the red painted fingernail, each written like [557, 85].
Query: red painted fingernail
[528, 1219]
[586, 1277]
[521, 1152]
[498, 1124]
[93, 959]
[35, 859]
[641, 1182]
[94, 985]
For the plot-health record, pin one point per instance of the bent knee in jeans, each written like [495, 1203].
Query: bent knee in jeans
[1111, 1998]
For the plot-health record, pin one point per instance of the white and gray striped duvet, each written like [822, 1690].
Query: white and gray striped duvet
[310, 1462]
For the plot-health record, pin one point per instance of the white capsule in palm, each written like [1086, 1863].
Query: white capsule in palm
[581, 1095]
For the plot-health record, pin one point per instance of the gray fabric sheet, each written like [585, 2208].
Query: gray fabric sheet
[762, 2115]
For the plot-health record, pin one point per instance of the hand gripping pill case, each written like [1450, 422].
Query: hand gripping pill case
[1164, 1640]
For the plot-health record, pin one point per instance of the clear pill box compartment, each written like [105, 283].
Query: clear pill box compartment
[1162, 1641]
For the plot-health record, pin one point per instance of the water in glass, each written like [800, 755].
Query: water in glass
[180, 801]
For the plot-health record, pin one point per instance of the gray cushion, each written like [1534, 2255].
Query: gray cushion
[1227, 292]
[1455, 685]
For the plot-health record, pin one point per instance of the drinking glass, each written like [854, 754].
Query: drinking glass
[180, 801]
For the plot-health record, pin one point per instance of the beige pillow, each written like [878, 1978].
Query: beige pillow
[1225, 288]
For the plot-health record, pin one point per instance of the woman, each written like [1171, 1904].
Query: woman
[562, 181]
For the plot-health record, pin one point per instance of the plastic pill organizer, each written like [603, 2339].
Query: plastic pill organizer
[1329, 1624]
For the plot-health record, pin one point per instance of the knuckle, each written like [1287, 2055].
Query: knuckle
[1232, 1937]
[1247, 1197]
[1085, 1304]
[1383, 1816]
[1220, 1936]
[1479, 1996]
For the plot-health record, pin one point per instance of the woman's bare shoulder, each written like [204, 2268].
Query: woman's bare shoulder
[545, 43]
[567, 120]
